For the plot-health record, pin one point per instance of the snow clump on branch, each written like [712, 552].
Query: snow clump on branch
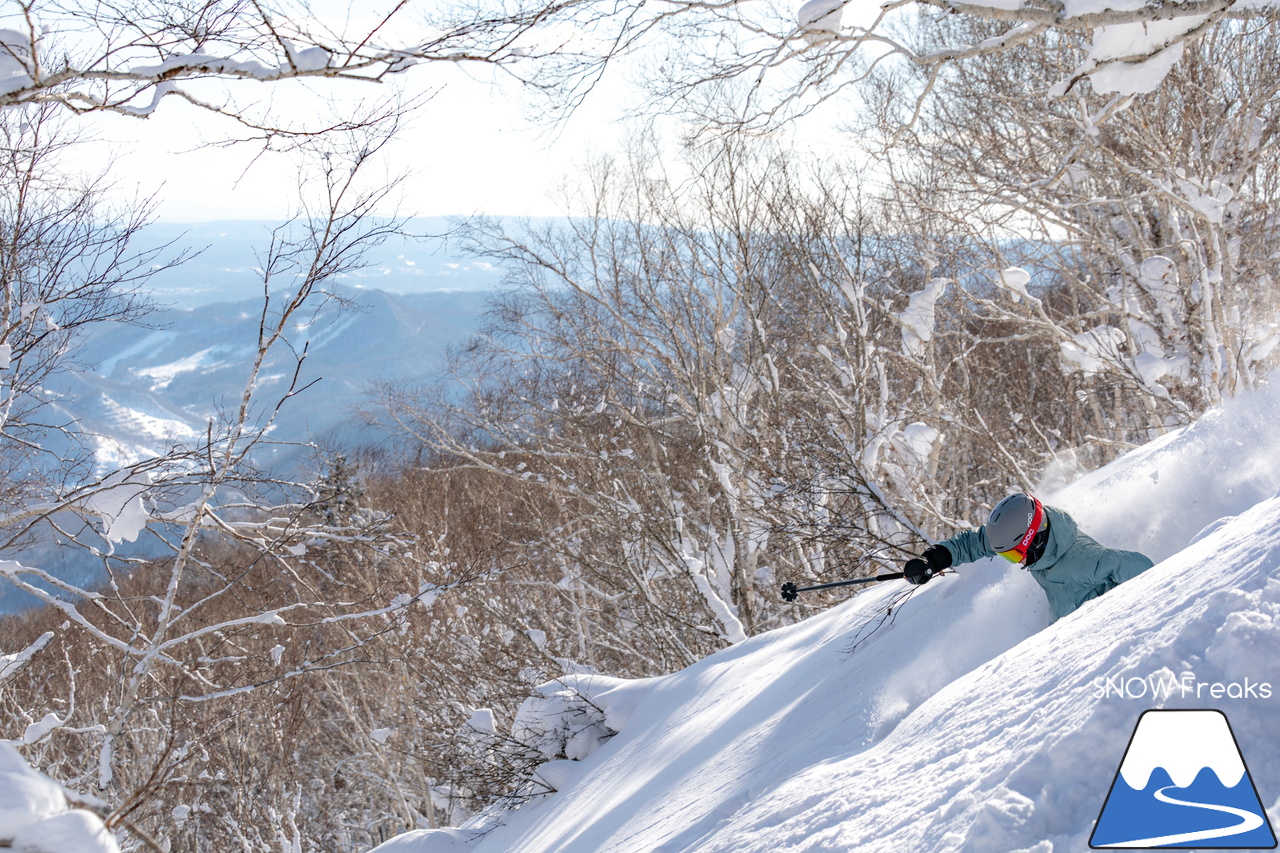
[36, 817]
[820, 20]
[920, 316]
[15, 58]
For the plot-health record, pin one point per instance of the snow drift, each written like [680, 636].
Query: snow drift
[963, 721]
[36, 816]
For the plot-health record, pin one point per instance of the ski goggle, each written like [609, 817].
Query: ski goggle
[1018, 552]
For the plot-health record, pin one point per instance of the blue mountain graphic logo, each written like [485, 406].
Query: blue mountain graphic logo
[1183, 783]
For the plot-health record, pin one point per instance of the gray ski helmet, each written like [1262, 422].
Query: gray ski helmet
[1010, 521]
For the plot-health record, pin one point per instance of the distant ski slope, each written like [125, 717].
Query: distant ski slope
[140, 386]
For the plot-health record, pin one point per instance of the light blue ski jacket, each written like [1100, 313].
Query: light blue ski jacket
[1073, 569]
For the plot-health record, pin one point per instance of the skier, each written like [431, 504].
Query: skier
[1070, 567]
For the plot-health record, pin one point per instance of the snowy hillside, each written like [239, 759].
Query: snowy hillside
[142, 386]
[965, 722]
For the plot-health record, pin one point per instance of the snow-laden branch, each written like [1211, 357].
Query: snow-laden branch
[11, 664]
[129, 58]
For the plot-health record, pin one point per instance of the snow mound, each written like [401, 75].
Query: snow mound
[952, 716]
[563, 720]
[35, 816]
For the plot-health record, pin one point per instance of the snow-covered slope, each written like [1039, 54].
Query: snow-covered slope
[1157, 498]
[965, 722]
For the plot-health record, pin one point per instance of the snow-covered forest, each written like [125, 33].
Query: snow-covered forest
[1045, 240]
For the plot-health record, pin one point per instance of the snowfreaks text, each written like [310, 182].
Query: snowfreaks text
[1186, 686]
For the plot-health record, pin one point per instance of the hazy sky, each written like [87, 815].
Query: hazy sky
[472, 148]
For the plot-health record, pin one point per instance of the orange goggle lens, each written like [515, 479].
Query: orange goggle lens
[1017, 555]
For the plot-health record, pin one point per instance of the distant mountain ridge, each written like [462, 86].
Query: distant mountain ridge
[141, 387]
[227, 259]
[138, 389]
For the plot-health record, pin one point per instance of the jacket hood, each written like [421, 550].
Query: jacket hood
[1062, 535]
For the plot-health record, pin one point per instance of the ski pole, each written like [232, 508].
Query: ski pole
[790, 590]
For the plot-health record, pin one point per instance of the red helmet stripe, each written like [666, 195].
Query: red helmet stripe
[1036, 518]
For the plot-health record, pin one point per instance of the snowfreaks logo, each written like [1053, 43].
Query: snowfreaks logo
[1183, 783]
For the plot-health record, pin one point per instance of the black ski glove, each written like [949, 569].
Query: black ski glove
[918, 570]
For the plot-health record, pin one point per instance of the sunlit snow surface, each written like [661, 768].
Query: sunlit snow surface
[36, 817]
[966, 722]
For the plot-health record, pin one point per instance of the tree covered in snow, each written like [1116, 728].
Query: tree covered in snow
[713, 384]
[69, 261]
[1131, 232]
[221, 581]
[243, 671]
[785, 59]
[129, 58]
[634, 375]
